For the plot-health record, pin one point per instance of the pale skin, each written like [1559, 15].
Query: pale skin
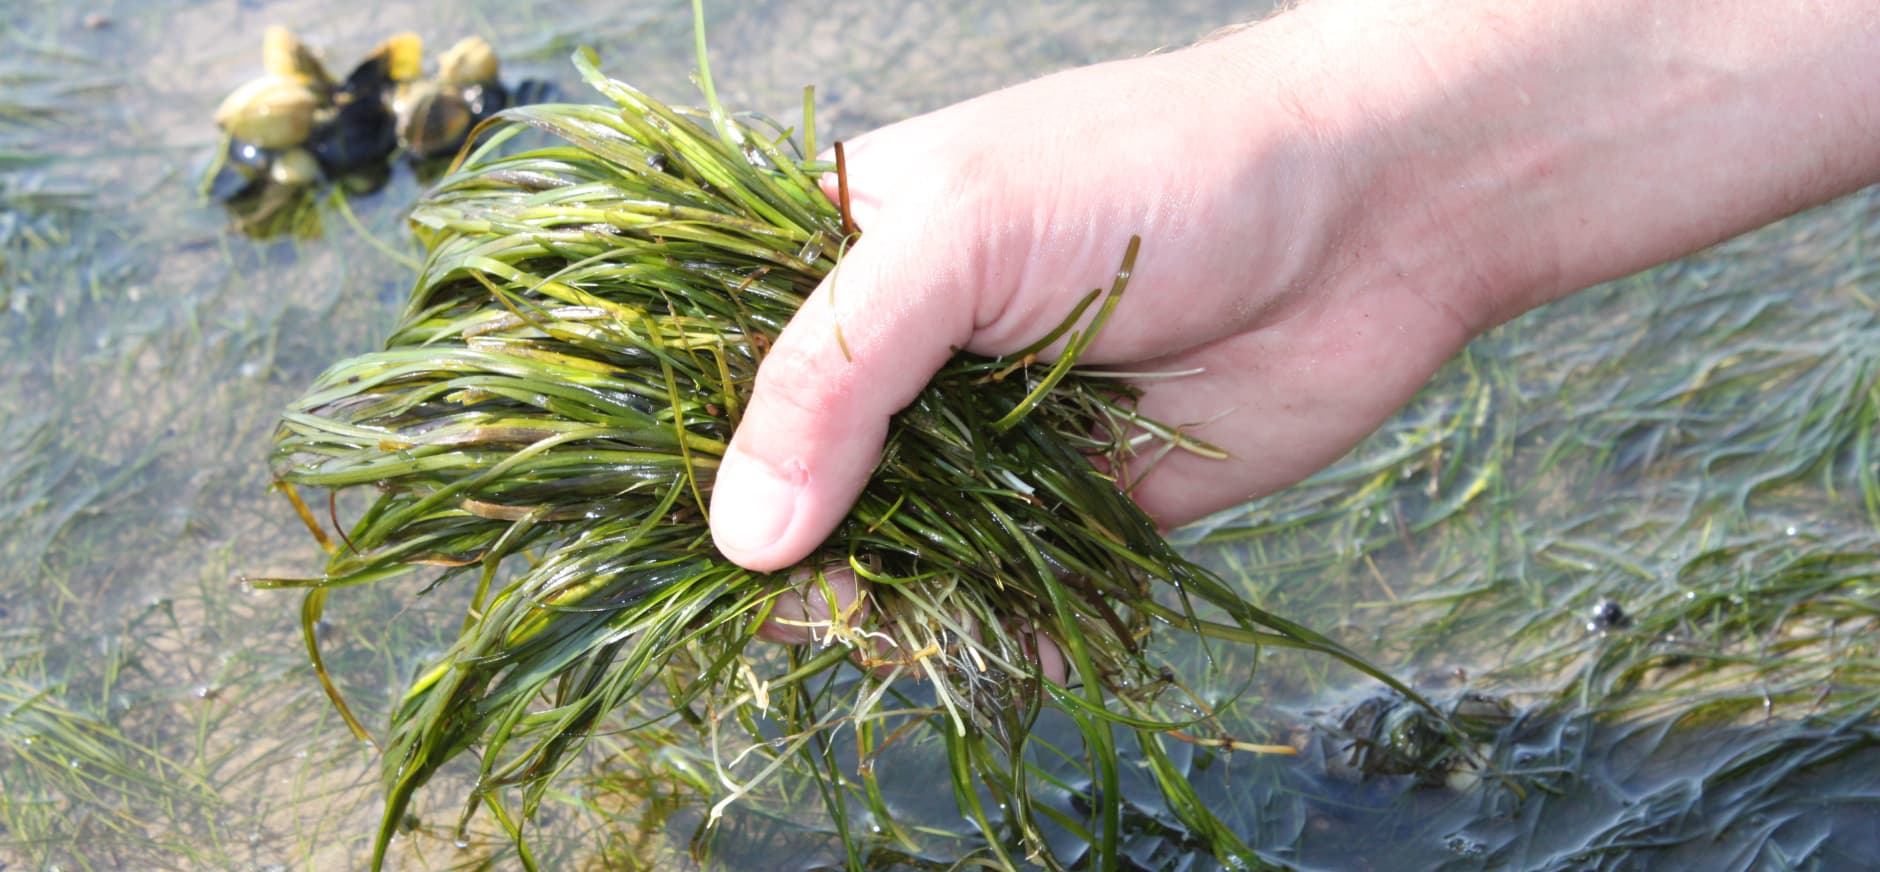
[1332, 202]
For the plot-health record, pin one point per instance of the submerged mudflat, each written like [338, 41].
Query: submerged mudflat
[1646, 517]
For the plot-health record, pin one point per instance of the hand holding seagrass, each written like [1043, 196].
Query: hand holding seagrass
[1331, 203]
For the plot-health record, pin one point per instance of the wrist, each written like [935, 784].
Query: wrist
[1422, 110]
[1393, 187]
[1506, 153]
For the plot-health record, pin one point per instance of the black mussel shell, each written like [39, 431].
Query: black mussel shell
[366, 179]
[486, 99]
[437, 126]
[243, 167]
[530, 91]
[360, 134]
[371, 80]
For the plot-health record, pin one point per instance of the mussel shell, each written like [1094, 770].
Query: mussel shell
[491, 97]
[360, 134]
[1411, 740]
[283, 54]
[433, 120]
[242, 167]
[471, 61]
[530, 91]
[485, 100]
[403, 56]
[394, 61]
[271, 112]
[294, 168]
[1480, 715]
[365, 179]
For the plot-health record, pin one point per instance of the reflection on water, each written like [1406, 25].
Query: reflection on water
[155, 714]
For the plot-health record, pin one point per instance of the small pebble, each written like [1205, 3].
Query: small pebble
[1608, 615]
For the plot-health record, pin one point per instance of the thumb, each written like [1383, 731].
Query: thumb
[861, 348]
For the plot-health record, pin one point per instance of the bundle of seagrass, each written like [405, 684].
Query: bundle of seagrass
[543, 426]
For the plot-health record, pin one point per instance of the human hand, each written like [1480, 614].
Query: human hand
[1331, 203]
[984, 223]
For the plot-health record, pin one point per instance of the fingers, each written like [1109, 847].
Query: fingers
[1044, 651]
[815, 610]
[1237, 395]
[832, 608]
[1283, 402]
[861, 348]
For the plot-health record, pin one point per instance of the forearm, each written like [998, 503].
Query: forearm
[1505, 152]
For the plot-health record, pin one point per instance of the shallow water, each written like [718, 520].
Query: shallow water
[1695, 444]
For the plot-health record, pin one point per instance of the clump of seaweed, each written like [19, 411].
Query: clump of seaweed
[544, 423]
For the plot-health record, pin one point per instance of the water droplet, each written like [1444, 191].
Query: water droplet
[1790, 531]
[460, 844]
